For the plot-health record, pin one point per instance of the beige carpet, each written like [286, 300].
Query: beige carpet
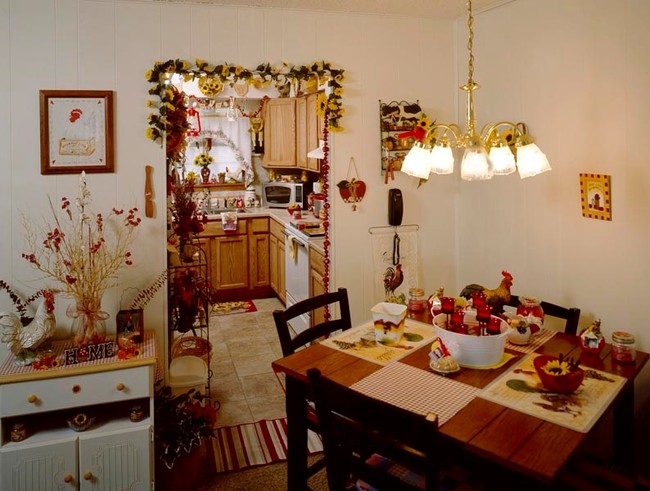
[271, 477]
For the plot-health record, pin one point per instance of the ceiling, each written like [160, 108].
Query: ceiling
[440, 9]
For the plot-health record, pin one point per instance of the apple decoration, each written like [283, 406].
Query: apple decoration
[352, 191]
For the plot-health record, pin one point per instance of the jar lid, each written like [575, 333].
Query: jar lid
[622, 337]
[416, 292]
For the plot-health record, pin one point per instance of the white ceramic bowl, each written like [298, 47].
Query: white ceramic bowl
[389, 321]
[469, 350]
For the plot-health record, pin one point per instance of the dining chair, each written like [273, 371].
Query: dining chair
[570, 314]
[291, 342]
[371, 442]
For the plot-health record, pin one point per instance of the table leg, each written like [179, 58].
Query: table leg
[624, 438]
[296, 403]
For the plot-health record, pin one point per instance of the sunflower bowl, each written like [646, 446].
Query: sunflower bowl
[557, 375]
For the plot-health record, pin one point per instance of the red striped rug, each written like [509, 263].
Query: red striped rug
[238, 447]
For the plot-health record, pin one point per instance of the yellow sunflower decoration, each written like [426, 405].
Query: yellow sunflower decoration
[210, 86]
[203, 159]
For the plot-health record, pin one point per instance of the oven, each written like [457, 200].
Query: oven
[297, 274]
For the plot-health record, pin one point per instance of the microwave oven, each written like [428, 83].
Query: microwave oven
[282, 194]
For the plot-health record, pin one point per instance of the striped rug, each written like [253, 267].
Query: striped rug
[264, 442]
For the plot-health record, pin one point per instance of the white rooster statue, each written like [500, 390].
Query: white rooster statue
[20, 338]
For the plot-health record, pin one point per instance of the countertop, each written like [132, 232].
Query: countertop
[279, 214]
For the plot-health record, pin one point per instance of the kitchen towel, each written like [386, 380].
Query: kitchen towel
[396, 263]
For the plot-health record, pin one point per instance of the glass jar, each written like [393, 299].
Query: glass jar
[417, 301]
[531, 310]
[18, 432]
[623, 347]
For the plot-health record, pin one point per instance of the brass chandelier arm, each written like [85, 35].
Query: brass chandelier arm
[455, 130]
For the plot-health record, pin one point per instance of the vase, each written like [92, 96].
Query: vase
[88, 322]
[205, 175]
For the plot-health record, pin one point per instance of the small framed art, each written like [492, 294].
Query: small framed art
[596, 196]
[76, 131]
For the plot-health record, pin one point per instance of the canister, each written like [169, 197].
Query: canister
[623, 347]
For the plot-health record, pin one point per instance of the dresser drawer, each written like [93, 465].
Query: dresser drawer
[74, 391]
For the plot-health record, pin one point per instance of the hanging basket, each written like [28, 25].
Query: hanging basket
[192, 346]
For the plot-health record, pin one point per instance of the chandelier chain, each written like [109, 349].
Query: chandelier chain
[470, 43]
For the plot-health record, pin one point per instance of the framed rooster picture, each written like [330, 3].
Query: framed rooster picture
[596, 196]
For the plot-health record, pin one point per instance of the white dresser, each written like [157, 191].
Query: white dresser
[113, 454]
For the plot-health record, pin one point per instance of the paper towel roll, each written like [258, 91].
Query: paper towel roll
[317, 187]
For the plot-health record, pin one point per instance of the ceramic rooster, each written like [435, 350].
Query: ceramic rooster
[497, 297]
[393, 278]
[19, 337]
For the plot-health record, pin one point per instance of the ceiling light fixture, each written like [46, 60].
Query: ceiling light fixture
[487, 153]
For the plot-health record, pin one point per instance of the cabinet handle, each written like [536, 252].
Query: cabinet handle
[88, 475]
[67, 478]
[76, 388]
[32, 398]
[120, 387]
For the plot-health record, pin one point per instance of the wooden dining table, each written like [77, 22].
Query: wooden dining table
[526, 444]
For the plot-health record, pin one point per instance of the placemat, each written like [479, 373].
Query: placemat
[417, 390]
[360, 341]
[520, 389]
[538, 340]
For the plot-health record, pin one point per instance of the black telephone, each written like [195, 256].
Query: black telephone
[395, 207]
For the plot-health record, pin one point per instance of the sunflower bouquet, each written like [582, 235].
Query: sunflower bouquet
[203, 159]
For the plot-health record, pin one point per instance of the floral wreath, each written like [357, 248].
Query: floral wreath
[281, 76]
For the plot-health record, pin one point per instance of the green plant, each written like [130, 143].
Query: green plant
[183, 421]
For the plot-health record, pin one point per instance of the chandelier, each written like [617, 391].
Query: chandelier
[488, 153]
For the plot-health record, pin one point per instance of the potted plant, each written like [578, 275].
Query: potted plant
[183, 423]
[203, 160]
[222, 177]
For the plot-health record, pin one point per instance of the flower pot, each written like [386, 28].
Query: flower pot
[186, 473]
[205, 175]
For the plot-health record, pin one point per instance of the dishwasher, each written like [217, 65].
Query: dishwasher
[297, 274]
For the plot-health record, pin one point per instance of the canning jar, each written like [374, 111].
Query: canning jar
[531, 310]
[623, 347]
[417, 301]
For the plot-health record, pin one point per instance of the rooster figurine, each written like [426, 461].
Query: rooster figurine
[497, 298]
[21, 338]
[393, 278]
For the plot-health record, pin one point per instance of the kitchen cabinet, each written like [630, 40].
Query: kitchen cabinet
[280, 133]
[277, 260]
[290, 136]
[113, 454]
[239, 266]
[316, 281]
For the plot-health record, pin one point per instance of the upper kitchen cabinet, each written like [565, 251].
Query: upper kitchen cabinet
[292, 128]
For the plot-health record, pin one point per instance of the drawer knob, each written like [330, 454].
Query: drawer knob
[67, 478]
[32, 398]
[76, 388]
[120, 387]
[88, 475]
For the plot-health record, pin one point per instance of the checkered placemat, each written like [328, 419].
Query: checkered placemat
[417, 390]
[539, 339]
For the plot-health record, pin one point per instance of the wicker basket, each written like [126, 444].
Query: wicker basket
[192, 346]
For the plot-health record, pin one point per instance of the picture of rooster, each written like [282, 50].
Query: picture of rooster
[393, 278]
[497, 297]
[20, 338]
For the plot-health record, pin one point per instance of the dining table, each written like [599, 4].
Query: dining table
[525, 442]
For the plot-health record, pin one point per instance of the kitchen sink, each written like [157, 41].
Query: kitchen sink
[217, 211]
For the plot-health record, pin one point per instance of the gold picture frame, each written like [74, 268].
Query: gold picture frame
[76, 131]
[596, 196]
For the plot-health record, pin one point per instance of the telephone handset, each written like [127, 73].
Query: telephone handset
[395, 207]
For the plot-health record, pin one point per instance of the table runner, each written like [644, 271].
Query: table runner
[360, 341]
[417, 390]
[520, 389]
[539, 339]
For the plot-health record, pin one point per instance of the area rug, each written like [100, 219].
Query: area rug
[248, 445]
[225, 308]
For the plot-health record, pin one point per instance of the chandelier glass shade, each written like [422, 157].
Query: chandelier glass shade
[498, 149]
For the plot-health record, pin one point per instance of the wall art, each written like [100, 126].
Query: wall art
[76, 131]
[596, 196]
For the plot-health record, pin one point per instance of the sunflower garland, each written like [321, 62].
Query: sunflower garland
[217, 76]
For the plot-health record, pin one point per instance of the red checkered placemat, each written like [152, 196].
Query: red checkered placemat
[417, 390]
[540, 338]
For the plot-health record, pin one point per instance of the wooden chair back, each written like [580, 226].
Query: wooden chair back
[570, 314]
[290, 343]
[360, 433]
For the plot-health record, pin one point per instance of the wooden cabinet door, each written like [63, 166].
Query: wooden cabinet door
[116, 460]
[229, 256]
[302, 125]
[259, 260]
[314, 130]
[280, 133]
[46, 467]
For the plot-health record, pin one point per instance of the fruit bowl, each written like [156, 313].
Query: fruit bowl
[558, 375]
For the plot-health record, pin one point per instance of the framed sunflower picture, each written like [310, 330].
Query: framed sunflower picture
[596, 196]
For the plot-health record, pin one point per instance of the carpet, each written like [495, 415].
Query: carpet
[225, 308]
[264, 442]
